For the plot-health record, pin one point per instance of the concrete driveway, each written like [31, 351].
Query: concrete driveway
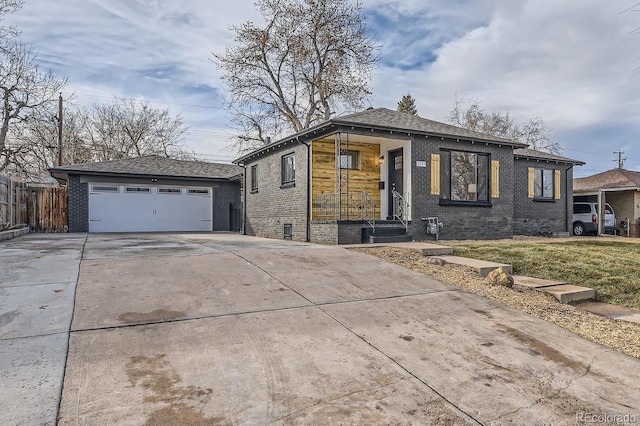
[223, 329]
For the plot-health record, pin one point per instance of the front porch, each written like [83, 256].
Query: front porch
[360, 187]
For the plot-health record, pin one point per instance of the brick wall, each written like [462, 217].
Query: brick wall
[78, 205]
[461, 222]
[273, 205]
[225, 196]
[532, 217]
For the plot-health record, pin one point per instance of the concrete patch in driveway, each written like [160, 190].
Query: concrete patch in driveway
[38, 274]
[290, 366]
[22, 267]
[36, 310]
[32, 370]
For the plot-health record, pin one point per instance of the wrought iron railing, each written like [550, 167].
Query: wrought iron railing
[351, 205]
[401, 209]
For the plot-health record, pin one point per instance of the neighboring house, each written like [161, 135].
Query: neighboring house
[353, 176]
[620, 188]
[152, 193]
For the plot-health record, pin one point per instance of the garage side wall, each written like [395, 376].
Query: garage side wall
[227, 207]
[78, 205]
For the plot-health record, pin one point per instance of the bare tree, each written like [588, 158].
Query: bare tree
[470, 115]
[312, 59]
[39, 137]
[8, 33]
[25, 91]
[127, 129]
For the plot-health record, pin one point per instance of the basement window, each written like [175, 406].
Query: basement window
[288, 231]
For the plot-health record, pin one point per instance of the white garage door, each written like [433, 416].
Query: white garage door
[139, 208]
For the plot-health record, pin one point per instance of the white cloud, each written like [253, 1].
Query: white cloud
[570, 62]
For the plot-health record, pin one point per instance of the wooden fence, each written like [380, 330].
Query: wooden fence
[44, 209]
[47, 209]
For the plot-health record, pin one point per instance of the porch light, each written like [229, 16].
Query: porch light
[382, 159]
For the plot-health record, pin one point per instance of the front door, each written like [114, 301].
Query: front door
[395, 178]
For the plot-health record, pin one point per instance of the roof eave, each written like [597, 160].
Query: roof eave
[134, 175]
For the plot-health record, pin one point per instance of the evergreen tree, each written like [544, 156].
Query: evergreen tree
[408, 104]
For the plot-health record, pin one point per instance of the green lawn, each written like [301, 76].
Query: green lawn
[612, 268]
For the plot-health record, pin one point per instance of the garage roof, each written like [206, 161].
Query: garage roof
[153, 165]
[611, 179]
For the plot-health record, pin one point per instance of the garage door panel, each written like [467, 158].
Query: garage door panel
[159, 209]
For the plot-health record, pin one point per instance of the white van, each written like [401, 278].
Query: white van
[585, 219]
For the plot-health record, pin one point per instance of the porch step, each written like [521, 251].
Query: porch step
[376, 239]
[389, 234]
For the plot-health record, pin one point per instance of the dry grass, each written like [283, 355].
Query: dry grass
[611, 266]
[620, 335]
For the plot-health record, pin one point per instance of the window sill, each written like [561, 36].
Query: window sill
[465, 203]
[287, 185]
[544, 200]
[254, 191]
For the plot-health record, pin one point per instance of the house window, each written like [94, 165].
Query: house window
[254, 178]
[350, 160]
[464, 176]
[288, 169]
[543, 184]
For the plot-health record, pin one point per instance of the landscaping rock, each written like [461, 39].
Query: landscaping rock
[435, 261]
[500, 277]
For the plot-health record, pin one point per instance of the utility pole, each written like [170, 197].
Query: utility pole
[620, 160]
[60, 130]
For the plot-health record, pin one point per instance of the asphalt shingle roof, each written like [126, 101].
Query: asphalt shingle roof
[386, 118]
[155, 166]
[531, 153]
[615, 178]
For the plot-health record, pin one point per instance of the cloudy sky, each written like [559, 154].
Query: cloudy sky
[574, 63]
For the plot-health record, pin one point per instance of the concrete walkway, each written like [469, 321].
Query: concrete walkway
[220, 328]
[38, 275]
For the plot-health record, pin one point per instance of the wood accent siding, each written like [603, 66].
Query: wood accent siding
[323, 171]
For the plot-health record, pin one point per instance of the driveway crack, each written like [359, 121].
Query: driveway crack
[555, 394]
[338, 398]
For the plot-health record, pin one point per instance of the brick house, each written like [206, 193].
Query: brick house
[618, 187]
[360, 177]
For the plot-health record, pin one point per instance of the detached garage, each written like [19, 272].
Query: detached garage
[152, 194]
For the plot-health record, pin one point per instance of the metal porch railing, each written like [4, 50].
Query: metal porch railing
[401, 209]
[351, 205]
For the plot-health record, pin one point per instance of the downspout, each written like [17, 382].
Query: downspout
[244, 201]
[308, 187]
